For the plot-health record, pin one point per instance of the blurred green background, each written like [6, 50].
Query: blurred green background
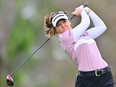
[21, 32]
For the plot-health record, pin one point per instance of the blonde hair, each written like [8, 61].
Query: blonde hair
[49, 30]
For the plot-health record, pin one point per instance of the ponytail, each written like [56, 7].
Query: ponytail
[49, 30]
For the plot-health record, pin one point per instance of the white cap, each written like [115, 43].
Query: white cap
[57, 17]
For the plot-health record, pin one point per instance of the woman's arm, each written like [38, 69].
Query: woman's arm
[84, 24]
[99, 28]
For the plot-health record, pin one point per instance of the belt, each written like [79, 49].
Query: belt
[97, 72]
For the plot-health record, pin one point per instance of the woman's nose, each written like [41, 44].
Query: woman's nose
[63, 25]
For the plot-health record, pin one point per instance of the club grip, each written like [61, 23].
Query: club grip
[85, 5]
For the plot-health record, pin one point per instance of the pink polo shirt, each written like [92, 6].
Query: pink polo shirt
[80, 45]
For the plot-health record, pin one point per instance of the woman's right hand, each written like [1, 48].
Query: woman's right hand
[78, 10]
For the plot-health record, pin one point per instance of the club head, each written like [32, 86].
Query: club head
[9, 81]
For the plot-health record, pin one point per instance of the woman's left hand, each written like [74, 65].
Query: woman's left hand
[78, 10]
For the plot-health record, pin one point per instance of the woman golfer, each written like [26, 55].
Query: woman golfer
[79, 43]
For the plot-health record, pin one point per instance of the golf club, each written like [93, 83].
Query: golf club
[9, 79]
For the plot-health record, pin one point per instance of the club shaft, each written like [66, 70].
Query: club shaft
[29, 57]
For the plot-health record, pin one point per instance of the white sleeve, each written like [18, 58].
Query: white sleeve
[84, 24]
[99, 28]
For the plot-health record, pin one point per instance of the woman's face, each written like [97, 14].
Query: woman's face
[63, 25]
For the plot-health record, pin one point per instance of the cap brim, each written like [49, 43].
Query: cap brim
[58, 17]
